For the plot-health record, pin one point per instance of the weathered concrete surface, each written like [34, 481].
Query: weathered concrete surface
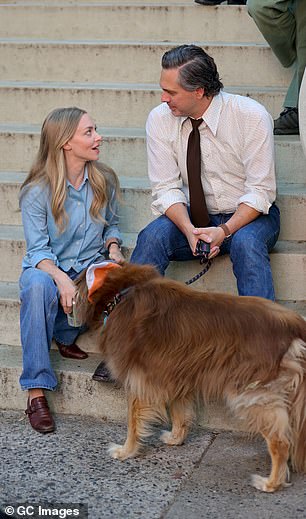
[207, 478]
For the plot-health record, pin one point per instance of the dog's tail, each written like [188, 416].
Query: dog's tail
[298, 415]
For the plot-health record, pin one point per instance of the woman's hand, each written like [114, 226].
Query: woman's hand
[67, 290]
[65, 285]
[115, 253]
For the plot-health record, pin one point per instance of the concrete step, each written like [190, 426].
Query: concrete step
[74, 380]
[89, 61]
[185, 21]
[13, 248]
[53, 3]
[128, 104]
[135, 209]
[104, 401]
[288, 262]
[18, 145]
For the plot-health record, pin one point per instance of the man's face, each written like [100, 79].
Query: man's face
[180, 101]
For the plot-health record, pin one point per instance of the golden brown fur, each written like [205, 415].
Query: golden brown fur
[170, 345]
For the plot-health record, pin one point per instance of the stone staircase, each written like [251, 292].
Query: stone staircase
[105, 57]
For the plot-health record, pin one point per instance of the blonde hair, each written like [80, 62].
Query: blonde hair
[49, 167]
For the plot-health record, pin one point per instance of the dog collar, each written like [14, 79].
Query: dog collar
[112, 304]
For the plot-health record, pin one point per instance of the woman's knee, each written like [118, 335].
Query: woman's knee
[37, 285]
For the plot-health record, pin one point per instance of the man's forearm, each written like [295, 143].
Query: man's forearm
[242, 216]
[178, 214]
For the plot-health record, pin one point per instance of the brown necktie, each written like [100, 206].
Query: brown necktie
[198, 209]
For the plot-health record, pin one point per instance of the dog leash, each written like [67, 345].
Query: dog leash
[200, 274]
[202, 250]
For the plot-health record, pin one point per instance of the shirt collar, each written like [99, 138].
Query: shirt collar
[211, 115]
[85, 179]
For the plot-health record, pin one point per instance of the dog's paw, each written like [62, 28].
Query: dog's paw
[169, 438]
[121, 452]
[264, 485]
[261, 483]
[117, 451]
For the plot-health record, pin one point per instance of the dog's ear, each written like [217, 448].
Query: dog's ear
[117, 280]
[128, 275]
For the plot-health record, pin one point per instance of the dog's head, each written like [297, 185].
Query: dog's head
[114, 282]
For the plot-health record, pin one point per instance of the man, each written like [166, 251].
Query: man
[237, 173]
[283, 24]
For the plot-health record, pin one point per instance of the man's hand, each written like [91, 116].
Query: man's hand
[212, 235]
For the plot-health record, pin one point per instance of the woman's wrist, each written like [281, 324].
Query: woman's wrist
[112, 244]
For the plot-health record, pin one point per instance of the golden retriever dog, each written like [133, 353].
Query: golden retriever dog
[170, 345]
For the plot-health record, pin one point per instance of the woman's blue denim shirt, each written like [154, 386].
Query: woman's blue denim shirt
[83, 239]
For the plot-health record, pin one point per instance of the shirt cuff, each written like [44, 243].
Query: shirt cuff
[112, 233]
[257, 202]
[32, 259]
[162, 204]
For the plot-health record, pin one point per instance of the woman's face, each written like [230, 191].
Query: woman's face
[84, 145]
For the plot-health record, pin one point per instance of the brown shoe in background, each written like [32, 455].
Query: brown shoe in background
[71, 351]
[39, 415]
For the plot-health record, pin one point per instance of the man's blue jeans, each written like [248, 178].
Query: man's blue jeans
[161, 242]
[41, 318]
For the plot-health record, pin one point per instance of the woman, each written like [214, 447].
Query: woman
[69, 213]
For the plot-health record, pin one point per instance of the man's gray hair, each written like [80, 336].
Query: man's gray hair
[196, 69]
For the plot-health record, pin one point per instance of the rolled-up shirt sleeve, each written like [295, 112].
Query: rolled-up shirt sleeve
[258, 161]
[163, 169]
[34, 219]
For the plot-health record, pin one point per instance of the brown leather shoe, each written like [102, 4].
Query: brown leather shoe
[39, 415]
[102, 374]
[71, 351]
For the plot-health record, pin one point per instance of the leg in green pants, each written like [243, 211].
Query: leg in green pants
[283, 25]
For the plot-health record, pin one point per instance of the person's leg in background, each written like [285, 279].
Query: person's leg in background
[283, 25]
[300, 17]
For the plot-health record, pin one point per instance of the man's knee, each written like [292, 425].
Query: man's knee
[246, 243]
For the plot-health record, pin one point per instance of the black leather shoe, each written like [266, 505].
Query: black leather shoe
[71, 351]
[217, 2]
[102, 374]
[287, 123]
[209, 2]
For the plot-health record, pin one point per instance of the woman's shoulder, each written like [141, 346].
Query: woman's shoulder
[34, 192]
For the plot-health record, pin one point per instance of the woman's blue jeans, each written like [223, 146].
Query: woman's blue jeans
[161, 242]
[41, 318]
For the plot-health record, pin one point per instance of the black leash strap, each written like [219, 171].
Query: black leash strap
[200, 274]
